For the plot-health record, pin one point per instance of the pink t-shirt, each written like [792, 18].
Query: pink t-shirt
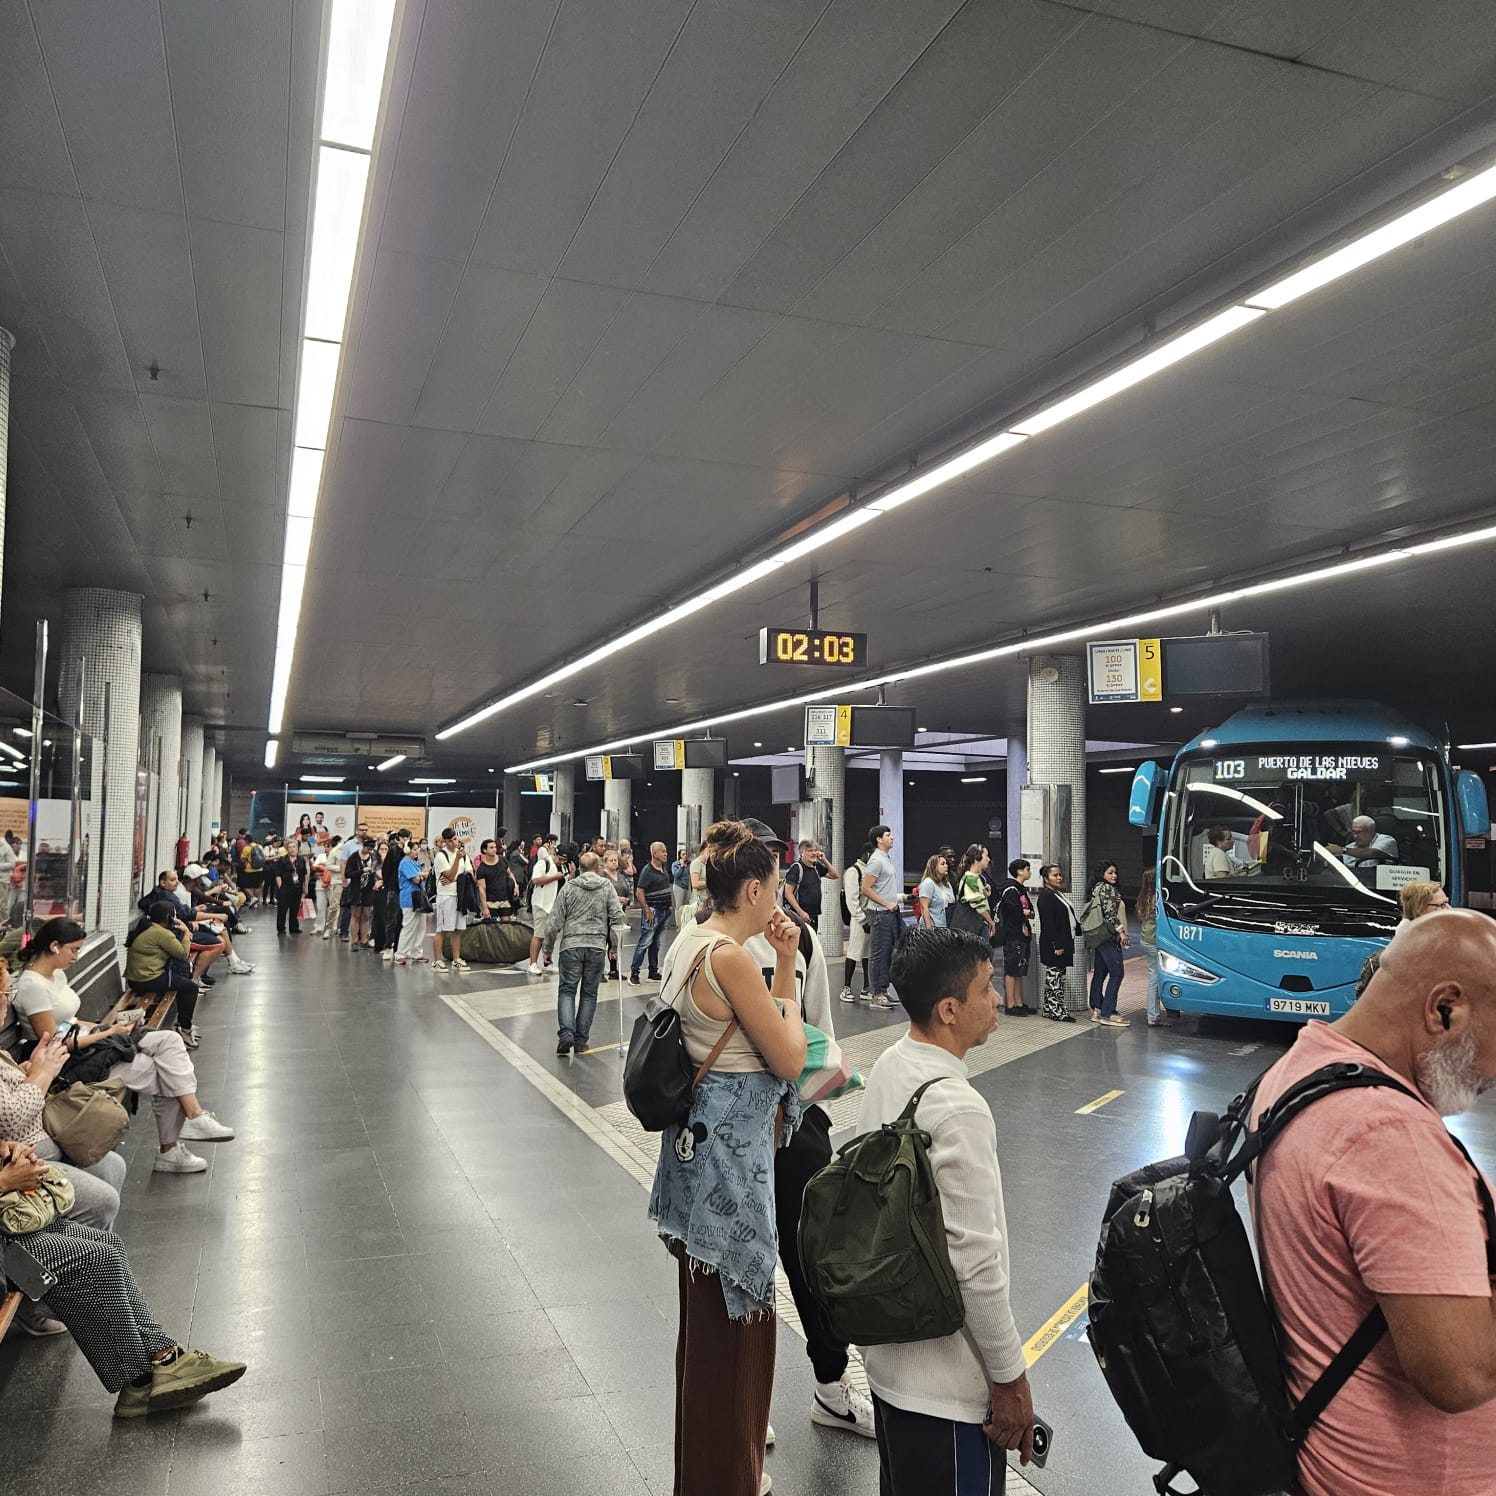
[1367, 1194]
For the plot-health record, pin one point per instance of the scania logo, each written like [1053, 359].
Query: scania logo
[1287, 927]
[1296, 955]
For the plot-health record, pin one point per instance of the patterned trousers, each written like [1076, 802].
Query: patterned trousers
[1054, 991]
[97, 1298]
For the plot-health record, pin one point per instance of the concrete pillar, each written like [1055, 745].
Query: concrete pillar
[102, 627]
[7, 344]
[202, 833]
[513, 805]
[192, 786]
[618, 794]
[217, 795]
[161, 715]
[1016, 774]
[699, 787]
[828, 788]
[564, 801]
[1057, 756]
[891, 803]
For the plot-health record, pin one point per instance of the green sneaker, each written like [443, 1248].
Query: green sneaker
[132, 1402]
[192, 1375]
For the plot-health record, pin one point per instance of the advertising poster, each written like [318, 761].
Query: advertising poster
[472, 823]
[383, 819]
[327, 820]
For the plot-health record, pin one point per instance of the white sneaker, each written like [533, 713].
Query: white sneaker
[327, 934]
[841, 1405]
[206, 1128]
[240, 968]
[535, 969]
[177, 1160]
[769, 1438]
[765, 1484]
[439, 966]
[460, 965]
[846, 995]
[388, 955]
[1116, 1021]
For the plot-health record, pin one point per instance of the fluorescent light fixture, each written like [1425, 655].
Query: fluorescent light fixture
[433, 781]
[1034, 644]
[1473, 747]
[389, 763]
[322, 779]
[1212, 330]
[853, 519]
[740, 579]
[298, 539]
[319, 380]
[1127, 769]
[306, 481]
[293, 579]
[1451, 542]
[272, 748]
[946, 472]
[337, 217]
[358, 40]
[21, 732]
[1403, 229]
[970, 779]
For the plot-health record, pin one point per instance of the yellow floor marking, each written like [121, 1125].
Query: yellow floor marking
[1095, 1106]
[599, 1049]
[1056, 1325]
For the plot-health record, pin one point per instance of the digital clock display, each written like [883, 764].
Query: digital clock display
[811, 647]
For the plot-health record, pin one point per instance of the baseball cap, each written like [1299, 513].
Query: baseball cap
[764, 832]
[194, 870]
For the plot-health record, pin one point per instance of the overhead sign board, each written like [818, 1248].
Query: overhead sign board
[1124, 670]
[859, 727]
[355, 746]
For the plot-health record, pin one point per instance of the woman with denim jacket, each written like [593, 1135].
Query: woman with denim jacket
[713, 1196]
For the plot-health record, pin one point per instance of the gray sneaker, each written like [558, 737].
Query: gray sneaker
[882, 1000]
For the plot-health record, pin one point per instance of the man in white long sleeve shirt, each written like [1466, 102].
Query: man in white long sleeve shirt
[946, 1409]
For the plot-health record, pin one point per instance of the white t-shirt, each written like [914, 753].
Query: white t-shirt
[34, 993]
[543, 895]
[1354, 856]
[1218, 862]
[445, 862]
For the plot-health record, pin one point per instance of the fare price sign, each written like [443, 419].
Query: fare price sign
[1121, 670]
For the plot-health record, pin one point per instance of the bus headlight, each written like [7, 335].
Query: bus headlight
[1173, 966]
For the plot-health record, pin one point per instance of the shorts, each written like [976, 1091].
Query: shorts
[1016, 957]
[447, 915]
[540, 920]
[857, 938]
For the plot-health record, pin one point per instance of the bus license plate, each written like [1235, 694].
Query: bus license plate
[1299, 1007]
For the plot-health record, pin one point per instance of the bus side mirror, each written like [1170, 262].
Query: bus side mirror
[1147, 786]
[1475, 809]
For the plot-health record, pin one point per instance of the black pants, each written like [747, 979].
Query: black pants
[186, 991]
[923, 1456]
[386, 920]
[805, 1154]
[288, 906]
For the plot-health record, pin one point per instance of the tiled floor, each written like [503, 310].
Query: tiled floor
[429, 1241]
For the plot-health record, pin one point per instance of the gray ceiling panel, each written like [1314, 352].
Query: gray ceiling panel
[398, 334]
[149, 273]
[985, 52]
[36, 152]
[120, 439]
[725, 60]
[491, 311]
[230, 86]
[856, 53]
[1439, 47]
[567, 326]
[108, 69]
[608, 56]
[239, 273]
[183, 437]
[497, 481]
[410, 464]
[472, 71]
[245, 441]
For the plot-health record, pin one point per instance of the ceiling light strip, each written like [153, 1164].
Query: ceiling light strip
[1039, 643]
[1223, 324]
[352, 86]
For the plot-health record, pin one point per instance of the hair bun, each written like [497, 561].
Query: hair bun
[723, 838]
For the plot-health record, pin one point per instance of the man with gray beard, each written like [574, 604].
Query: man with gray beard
[1370, 1204]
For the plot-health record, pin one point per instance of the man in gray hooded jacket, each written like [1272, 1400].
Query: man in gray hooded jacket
[585, 911]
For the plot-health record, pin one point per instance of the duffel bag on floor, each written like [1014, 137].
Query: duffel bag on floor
[497, 944]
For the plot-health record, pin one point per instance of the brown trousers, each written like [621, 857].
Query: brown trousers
[724, 1378]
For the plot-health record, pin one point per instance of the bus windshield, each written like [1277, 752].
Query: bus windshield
[1335, 823]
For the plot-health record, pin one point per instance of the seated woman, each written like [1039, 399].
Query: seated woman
[97, 1299]
[160, 1069]
[157, 961]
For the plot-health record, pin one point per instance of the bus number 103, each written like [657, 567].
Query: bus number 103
[1231, 768]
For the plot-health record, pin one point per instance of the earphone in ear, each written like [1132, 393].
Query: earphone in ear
[1443, 1010]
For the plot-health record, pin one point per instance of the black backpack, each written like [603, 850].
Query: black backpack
[1179, 1320]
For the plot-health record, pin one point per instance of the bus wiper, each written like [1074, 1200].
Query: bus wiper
[1205, 903]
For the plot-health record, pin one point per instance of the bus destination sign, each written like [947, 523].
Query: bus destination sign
[1350, 767]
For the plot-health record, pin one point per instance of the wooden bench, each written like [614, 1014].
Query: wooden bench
[97, 978]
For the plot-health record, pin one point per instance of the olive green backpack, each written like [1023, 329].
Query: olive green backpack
[872, 1239]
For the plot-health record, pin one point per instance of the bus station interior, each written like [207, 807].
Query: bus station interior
[767, 313]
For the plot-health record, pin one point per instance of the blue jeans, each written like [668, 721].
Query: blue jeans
[1106, 977]
[885, 933]
[584, 965]
[649, 940]
[1155, 1005]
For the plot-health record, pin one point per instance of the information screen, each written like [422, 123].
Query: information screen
[1216, 665]
[706, 753]
[783, 646]
[1260, 768]
[883, 726]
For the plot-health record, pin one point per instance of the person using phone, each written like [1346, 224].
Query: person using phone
[158, 960]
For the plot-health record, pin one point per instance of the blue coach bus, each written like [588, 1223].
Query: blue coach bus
[1284, 835]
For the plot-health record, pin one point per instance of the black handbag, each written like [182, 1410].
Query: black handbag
[658, 1076]
[95, 1062]
[965, 917]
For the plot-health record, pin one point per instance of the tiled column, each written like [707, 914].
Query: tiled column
[161, 714]
[1057, 755]
[564, 801]
[217, 814]
[891, 803]
[203, 832]
[192, 783]
[102, 627]
[618, 794]
[828, 785]
[699, 787]
[7, 343]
